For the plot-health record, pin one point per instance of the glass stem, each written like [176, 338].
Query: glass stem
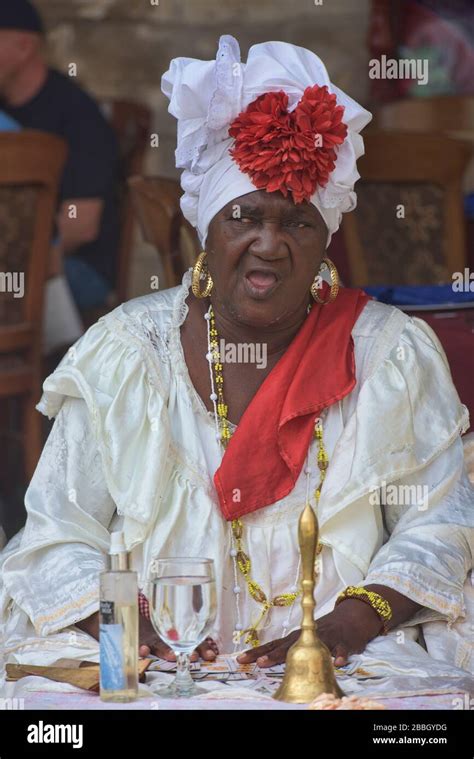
[184, 681]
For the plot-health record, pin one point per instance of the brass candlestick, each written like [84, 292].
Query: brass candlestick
[309, 669]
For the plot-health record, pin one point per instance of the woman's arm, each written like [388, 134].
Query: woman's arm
[403, 608]
[90, 625]
[54, 574]
[430, 518]
[420, 570]
[150, 642]
[346, 630]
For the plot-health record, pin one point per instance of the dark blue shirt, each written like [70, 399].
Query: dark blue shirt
[92, 168]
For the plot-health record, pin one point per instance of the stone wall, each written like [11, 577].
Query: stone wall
[122, 47]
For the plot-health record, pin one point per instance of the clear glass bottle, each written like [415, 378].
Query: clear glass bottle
[118, 630]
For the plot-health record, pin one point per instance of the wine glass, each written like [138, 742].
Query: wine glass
[182, 599]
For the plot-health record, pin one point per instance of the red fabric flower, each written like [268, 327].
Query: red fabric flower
[291, 152]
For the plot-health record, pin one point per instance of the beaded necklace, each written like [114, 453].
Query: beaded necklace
[241, 560]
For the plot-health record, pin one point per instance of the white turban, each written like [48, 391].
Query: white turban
[206, 96]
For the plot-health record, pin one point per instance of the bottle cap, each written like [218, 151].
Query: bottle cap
[117, 542]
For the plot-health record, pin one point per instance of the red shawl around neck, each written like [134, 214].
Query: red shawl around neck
[267, 450]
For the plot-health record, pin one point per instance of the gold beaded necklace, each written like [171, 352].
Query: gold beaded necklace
[242, 559]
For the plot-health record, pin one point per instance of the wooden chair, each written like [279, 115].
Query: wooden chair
[419, 175]
[446, 114]
[451, 114]
[31, 165]
[132, 125]
[156, 202]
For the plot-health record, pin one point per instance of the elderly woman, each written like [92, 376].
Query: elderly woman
[201, 419]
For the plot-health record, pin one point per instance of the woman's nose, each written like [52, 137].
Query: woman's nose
[268, 242]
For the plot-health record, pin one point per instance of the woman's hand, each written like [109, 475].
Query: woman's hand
[151, 643]
[345, 630]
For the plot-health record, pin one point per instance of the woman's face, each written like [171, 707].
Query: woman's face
[263, 252]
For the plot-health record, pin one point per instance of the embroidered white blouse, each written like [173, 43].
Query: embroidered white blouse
[133, 446]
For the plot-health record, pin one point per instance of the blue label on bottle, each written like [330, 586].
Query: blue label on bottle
[112, 669]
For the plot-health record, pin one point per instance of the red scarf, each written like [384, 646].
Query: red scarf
[267, 451]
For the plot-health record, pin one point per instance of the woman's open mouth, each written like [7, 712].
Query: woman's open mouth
[260, 283]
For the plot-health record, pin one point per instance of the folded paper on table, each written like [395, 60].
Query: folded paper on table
[82, 674]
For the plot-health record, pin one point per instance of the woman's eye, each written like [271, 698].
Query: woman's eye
[299, 224]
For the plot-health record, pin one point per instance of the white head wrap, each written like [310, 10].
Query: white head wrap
[206, 96]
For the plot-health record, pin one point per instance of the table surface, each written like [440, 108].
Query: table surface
[223, 699]
[224, 684]
[67, 701]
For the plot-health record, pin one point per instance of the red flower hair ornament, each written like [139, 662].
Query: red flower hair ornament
[300, 136]
[293, 152]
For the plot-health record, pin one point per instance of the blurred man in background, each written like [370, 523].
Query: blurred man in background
[38, 97]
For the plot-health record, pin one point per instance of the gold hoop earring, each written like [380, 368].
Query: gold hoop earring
[200, 268]
[334, 283]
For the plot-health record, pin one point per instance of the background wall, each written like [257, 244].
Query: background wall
[122, 47]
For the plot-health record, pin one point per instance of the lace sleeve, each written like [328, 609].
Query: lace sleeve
[53, 574]
[430, 518]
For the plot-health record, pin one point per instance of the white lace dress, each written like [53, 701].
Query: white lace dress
[133, 446]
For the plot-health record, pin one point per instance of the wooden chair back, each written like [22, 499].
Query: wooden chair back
[132, 125]
[156, 202]
[31, 165]
[408, 227]
[445, 113]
